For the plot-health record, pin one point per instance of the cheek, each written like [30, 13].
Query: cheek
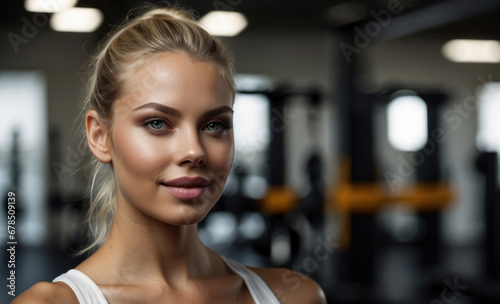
[220, 159]
[135, 153]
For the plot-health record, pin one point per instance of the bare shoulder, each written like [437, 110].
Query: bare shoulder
[291, 286]
[47, 293]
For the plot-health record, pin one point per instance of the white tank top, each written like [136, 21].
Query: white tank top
[88, 292]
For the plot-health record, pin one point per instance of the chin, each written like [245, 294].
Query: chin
[189, 215]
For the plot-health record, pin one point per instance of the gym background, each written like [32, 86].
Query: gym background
[366, 136]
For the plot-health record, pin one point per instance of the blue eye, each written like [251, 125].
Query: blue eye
[213, 127]
[156, 124]
[217, 126]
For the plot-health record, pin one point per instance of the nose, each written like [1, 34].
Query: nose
[190, 150]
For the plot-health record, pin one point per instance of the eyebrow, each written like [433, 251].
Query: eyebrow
[217, 111]
[161, 108]
[177, 113]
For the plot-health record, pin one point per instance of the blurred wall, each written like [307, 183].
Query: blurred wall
[309, 57]
[301, 59]
[60, 56]
[418, 62]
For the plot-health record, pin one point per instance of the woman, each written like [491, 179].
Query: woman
[159, 117]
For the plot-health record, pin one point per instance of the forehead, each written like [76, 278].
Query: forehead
[175, 79]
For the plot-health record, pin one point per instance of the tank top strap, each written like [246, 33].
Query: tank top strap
[260, 291]
[86, 291]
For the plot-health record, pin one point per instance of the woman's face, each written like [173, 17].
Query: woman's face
[171, 139]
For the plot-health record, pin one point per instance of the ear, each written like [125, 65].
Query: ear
[97, 136]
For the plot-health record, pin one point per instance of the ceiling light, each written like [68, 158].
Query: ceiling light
[76, 19]
[221, 23]
[48, 6]
[462, 50]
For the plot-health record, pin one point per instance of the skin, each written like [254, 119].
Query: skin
[152, 253]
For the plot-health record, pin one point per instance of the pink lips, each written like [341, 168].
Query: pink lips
[186, 188]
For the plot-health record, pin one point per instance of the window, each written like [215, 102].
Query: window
[407, 123]
[23, 120]
[488, 135]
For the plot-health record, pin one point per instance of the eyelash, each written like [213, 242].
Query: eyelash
[146, 123]
[225, 125]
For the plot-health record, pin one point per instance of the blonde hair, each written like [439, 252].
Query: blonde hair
[131, 45]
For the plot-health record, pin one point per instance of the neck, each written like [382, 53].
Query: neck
[141, 249]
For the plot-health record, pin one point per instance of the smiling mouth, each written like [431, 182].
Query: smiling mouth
[186, 188]
[184, 193]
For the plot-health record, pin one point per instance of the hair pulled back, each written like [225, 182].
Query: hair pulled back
[125, 49]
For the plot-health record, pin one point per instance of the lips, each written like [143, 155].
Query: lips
[186, 188]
